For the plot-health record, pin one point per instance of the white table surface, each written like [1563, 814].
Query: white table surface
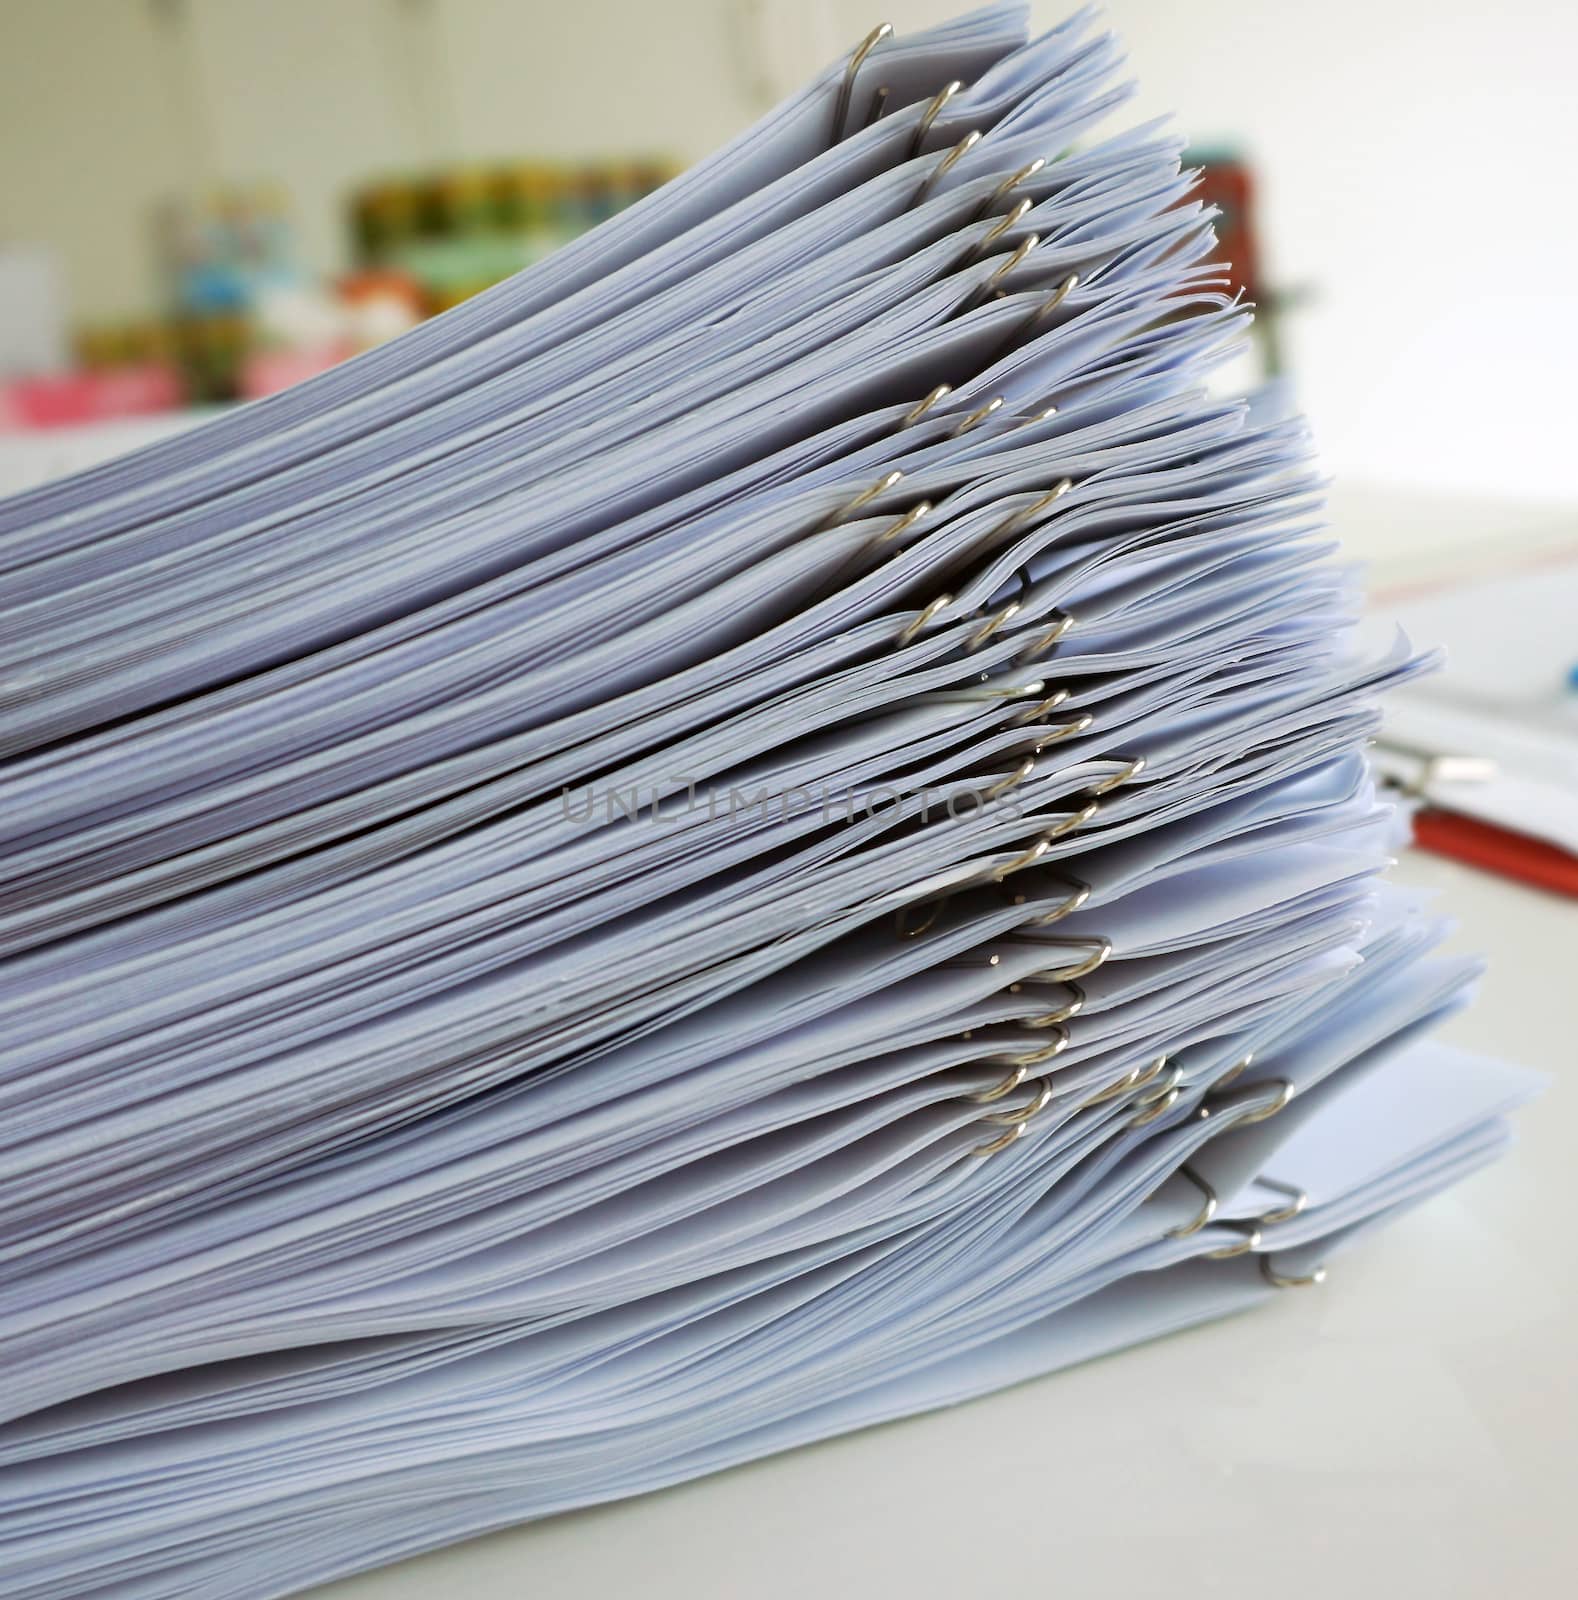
[1409, 1429]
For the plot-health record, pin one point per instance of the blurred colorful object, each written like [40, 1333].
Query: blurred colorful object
[456, 232]
[221, 253]
[246, 318]
[52, 400]
[1227, 183]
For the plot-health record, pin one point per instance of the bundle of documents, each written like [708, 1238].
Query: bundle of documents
[761, 828]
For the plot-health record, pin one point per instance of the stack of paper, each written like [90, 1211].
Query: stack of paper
[761, 828]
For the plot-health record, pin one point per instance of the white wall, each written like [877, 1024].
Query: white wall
[1418, 170]
[109, 106]
[1416, 157]
[88, 135]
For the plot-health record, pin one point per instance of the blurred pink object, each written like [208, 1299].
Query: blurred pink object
[58, 399]
[269, 371]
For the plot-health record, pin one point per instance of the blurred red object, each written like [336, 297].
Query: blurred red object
[382, 283]
[1227, 183]
[268, 371]
[61, 399]
[1498, 850]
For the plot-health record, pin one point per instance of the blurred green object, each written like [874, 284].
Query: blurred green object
[459, 231]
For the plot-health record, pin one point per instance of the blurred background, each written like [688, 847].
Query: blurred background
[206, 198]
